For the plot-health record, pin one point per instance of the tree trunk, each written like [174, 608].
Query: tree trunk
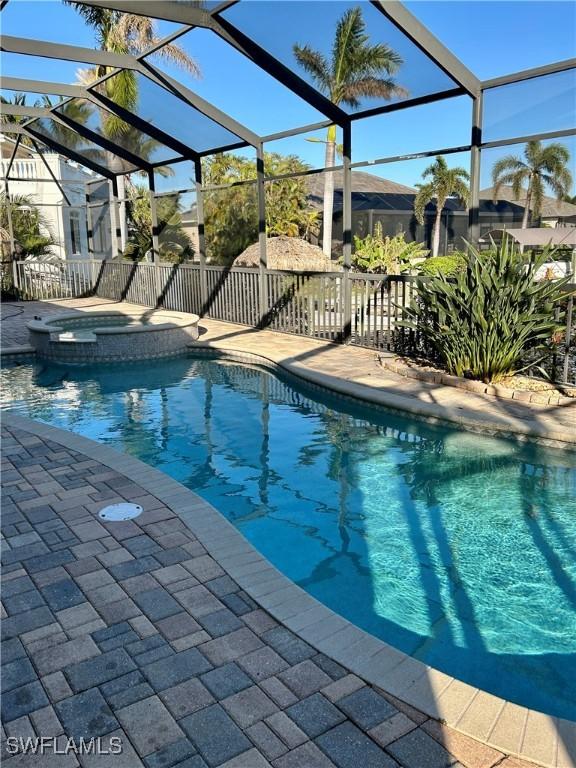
[436, 233]
[328, 210]
[122, 211]
[527, 207]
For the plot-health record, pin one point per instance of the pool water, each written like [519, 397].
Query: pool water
[456, 548]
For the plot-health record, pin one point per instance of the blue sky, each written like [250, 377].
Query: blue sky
[491, 37]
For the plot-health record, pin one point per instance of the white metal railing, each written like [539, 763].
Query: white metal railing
[22, 169]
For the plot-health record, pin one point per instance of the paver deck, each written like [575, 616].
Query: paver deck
[349, 370]
[133, 630]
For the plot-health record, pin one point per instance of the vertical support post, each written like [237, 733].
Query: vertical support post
[89, 226]
[154, 217]
[475, 158]
[114, 220]
[263, 281]
[347, 228]
[10, 225]
[201, 235]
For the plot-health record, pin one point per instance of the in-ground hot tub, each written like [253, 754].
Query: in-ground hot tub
[108, 336]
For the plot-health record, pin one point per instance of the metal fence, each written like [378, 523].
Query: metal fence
[54, 279]
[364, 310]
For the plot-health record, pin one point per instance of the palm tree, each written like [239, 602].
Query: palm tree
[540, 166]
[23, 224]
[129, 34]
[444, 183]
[357, 69]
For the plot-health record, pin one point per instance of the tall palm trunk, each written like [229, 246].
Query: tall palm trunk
[526, 215]
[436, 233]
[329, 191]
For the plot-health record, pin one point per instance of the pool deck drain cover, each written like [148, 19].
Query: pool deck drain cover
[117, 512]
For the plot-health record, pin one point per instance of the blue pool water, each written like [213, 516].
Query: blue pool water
[456, 548]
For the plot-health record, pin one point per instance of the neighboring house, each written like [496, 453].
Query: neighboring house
[554, 213]
[66, 220]
[375, 199]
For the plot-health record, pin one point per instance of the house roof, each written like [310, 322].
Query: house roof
[551, 208]
[361, 182]
[7, 148]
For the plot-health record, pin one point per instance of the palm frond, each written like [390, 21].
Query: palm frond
[175, 54]
[424, 196]
[315, 64]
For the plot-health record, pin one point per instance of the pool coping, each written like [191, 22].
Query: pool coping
[518, 731]
[397, 403]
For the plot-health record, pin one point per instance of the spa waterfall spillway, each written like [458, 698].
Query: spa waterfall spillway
[108, 336]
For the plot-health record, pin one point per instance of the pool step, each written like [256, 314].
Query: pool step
[74, 337]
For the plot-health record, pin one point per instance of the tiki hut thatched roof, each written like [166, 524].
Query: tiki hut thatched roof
[288, 253]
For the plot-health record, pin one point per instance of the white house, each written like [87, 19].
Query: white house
[66, 219]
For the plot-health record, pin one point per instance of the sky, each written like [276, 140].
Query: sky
[491, 37]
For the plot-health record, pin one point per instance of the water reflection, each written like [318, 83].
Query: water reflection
[456, 548]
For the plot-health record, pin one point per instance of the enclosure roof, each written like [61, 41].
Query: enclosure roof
[535, 236]
[175, 117]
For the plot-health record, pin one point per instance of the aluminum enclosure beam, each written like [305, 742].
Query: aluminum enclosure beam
[17, 110]
[529, 74]
[429, 44]
[416, 102]
[23, 84]
[168, 10]
[23, 45]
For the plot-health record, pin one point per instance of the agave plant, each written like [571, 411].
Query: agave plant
[482, 322]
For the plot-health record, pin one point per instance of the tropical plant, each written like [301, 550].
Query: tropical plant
[444, 182]
[376, 253]
[541, 166]
[230, 213]
[30, 228]
[174, 243]
[482, 322]
[356, 69]
[448, 265]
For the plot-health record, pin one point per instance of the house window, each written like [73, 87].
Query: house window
[75, 232]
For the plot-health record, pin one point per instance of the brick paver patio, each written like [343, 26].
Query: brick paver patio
[132, 630]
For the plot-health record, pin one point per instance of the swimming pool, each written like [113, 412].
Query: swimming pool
[456, 548]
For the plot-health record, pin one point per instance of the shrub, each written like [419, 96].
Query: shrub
[448, 265]
[376, 253]
[481, 323]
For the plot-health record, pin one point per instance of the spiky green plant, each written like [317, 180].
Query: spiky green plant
[376, 253]
[541, 167]
[482, 323]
